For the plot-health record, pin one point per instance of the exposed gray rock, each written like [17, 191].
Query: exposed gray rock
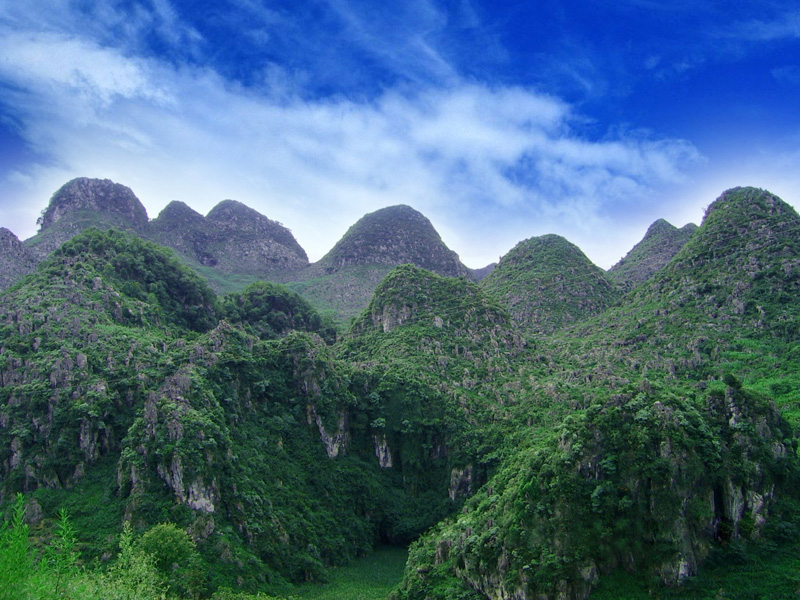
[83, 203]
[16, 260]
[393, 236]
[232, 238]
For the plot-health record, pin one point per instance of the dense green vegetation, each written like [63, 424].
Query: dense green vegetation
[268, 310]
[223, 446]
[659, 245]
[547, 283]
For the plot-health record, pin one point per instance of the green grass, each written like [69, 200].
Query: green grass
[372, 577]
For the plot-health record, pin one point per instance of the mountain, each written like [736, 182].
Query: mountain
[125, 381]
[392, 236]
[252, 242]
[344, 279]
[677, 443]
[231, 239]
[449, 337]
[183, 229]
[636, 449]
[661, 242]
[480, 274]
[16, 259]
[234, 245]
[82, 203]
[546, 282]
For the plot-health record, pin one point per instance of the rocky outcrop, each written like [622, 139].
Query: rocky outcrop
[335, 443]
[392, 236]
[82, 203]
[16, 260]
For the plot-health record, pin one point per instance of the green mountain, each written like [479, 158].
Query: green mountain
[234, 246]
[126, 396]
[666, 455]
[548, 283]
[608, 446]
[659, 245]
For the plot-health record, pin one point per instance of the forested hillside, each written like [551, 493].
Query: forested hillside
[542, 434]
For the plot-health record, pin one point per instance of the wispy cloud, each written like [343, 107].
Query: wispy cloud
[784, 26]
[464, 153]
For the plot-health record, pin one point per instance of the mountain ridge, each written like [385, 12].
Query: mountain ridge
[234, 245]
[652, 437]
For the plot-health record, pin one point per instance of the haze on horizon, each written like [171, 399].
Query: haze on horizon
[590, 120]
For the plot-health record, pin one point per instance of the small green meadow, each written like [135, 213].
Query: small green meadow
[371, 577]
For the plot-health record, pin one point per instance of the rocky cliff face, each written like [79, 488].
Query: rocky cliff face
[392, 236]
[659, 245]
[83, 203]
[16, 260]
[232, 238]
[548, 283]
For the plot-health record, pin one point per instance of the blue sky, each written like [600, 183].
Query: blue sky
[497, 120]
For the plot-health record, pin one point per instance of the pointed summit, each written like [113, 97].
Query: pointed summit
[100, 195]
[82, 203]
[658, 246]
[547, 282]
[393, 236]
[745, 232]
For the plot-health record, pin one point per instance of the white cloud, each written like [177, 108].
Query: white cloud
[784, 26]
[79, 68]
[466, 155]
